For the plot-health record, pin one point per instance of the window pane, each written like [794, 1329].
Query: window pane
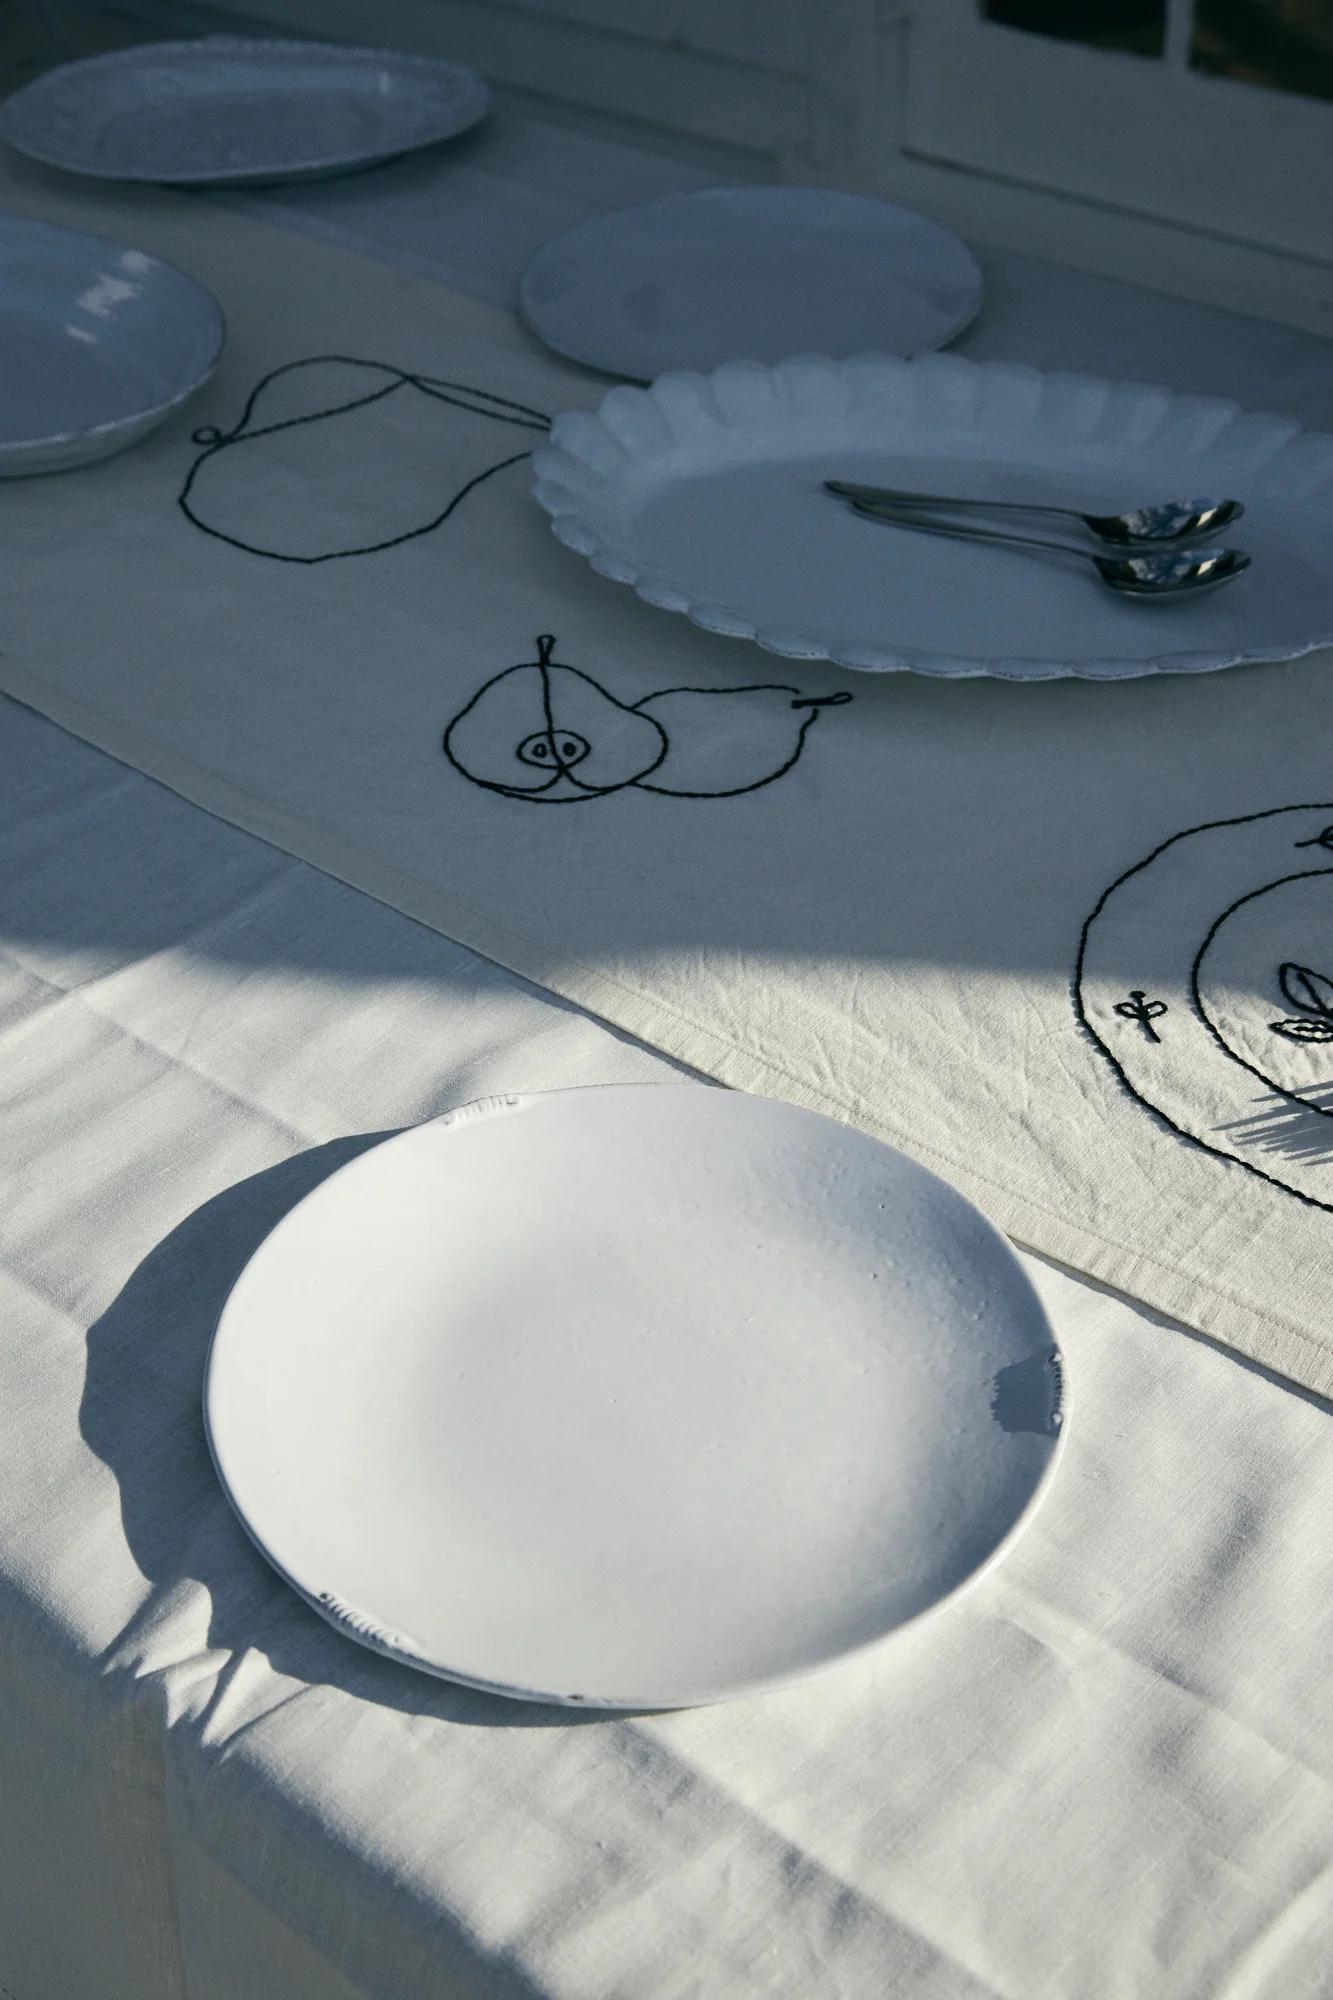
[1285, 44]
[1136, 25]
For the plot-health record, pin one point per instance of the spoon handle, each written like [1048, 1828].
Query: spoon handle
[904, 518]
[888, 496]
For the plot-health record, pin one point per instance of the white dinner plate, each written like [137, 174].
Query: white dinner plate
[750, 273]
[705, 493]
[223, 109]
[635, 1397]
[98, 343]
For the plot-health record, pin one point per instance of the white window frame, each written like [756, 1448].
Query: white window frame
[1225, 193]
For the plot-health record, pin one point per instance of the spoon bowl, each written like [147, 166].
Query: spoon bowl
[1172, 521]
[1145, 574]
[1171, 573]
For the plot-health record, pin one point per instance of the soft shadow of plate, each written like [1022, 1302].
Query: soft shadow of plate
[98, 344]
[749, 272]
[633, 1397]
[222, 109]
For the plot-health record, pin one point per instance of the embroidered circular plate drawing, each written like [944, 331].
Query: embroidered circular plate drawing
[1205, 975]
[632, 1397]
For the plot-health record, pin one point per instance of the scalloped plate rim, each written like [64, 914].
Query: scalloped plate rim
[566, 509]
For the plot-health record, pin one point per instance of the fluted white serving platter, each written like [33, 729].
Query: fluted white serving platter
[224, 109]
[705, 494]
[634, 1397]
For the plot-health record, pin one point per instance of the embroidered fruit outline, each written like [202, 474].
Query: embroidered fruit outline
[334, 457]
[550, 733]
[546, 731]
[1205, 978]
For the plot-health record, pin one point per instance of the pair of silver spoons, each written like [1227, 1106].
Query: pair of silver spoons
[1155, 553]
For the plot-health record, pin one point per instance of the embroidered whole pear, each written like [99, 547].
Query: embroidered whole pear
[547, 732]
[727, 740]
[336, 457]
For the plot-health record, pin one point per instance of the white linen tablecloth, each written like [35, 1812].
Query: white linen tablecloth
[312, 606]
[1106, 1772]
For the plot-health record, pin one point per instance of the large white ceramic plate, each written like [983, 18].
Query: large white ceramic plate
[98, 343]
[749, 272]
[636, 1397]
[224, 109]
[704, 493]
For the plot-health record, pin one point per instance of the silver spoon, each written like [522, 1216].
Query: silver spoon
[1161, 573]
[1170, 521]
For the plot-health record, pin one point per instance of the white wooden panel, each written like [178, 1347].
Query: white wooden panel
[1243, 161]
[1161, 255]
[1179, 34]
[678, 90]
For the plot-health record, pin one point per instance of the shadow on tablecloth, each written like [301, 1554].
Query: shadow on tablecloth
[141, 1413]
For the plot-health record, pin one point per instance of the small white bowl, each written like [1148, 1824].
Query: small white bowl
[100, 344]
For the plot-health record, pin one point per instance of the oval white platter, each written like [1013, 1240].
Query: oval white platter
[635, 1397]
[223, 109]
[705, 494]
[98, 344]
[692, 280]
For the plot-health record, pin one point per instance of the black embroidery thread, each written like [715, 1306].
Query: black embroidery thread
[552, 735]
[812, 703]
[1140, 1008]
[1293, 1097]
[1323, 839]
[475, 402]
[1311, 993]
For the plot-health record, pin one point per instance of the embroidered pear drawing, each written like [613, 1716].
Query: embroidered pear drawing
[729, 740]
[335, 457]
[547, 731]
[550, 733]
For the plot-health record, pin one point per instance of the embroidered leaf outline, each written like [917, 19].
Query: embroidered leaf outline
[1312, 994]
[1304, 1031]
[1309, 992]
[1324, 839]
